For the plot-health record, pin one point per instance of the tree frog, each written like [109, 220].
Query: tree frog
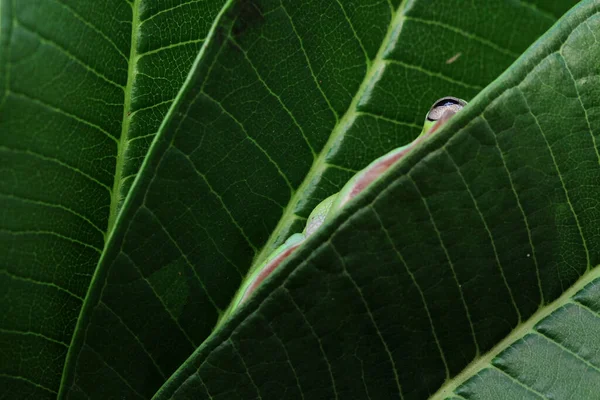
[441, 111]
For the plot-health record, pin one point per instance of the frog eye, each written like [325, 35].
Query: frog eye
[453, 104]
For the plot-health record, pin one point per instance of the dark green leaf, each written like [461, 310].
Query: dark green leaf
[285, 101]
[468, 271]
[84, 86]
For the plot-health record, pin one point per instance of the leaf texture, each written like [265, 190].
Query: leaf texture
[284, 101]
[80, 100]
[450, 277]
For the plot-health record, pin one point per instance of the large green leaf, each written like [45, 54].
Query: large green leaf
[284, 102]
[84, 86]
[468, 272]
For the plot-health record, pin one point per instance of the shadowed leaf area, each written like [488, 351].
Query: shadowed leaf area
[155, 152]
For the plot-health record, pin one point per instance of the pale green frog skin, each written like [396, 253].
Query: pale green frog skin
[441, 111]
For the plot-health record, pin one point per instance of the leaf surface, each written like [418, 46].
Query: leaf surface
[82, 93]
[449, 277]
[284, 102]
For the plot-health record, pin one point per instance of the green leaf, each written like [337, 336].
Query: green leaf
[469, 271]
[84, 87]
[285, 101]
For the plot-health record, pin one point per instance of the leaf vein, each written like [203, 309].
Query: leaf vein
[434, 74]
[419, 289]
[527, 228]
[318, 339]
[467, 35]
[175, 321]
[69, 55]
[56, 161]
[489, 234]
[450, 263]
[518, 382]
[36, 282]
[63, 112]
[121, 377]
[185, 257]
[560, 177]
[372, 319]
[23, 379]
[567, 350]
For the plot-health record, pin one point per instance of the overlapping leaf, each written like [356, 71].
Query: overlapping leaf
[469, 272]
[84, 86]
[285, 102]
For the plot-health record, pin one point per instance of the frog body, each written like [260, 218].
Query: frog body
[441, 111]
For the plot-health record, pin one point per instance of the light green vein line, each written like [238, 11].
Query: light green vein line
[538, 10]
[391, 7]
[151, 107]
[468, 35]
[151, 77]
[20, 378]
[52, 205]
[287, 110]
[246, 368]
[197, 375]
[585, 111]
[287, 356]
[580, 304]
[75, 387]
[69, 55]
[187, 260]
[123, 142]
[308, 63]
[488, 231]
[135, 336]
[92, 27]
[106, 103]
[254, 192]
[372, 318]
[435, 74]
[450, 263]
[519, 332]
[537, 123]
[166, 10]
[149, 135]
[314, 334]
[160, 300]
[56, 161]
[121, 377]
[216, 194]
[253, 141]
[63, 112]
[170, 46]
[360, 43]
[362, 378]
[212, 240]
[391, 120]
[339, 130]
[418, 287]
[339, 167]
[36, 334]
[128, 177]
[35, 282]
[518, 382]
[527, 228]
[567, 350]
[50, 233]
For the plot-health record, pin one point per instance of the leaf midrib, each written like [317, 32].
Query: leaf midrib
[374, 68]
[115, 200]
[123, 142]
[484, 361]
